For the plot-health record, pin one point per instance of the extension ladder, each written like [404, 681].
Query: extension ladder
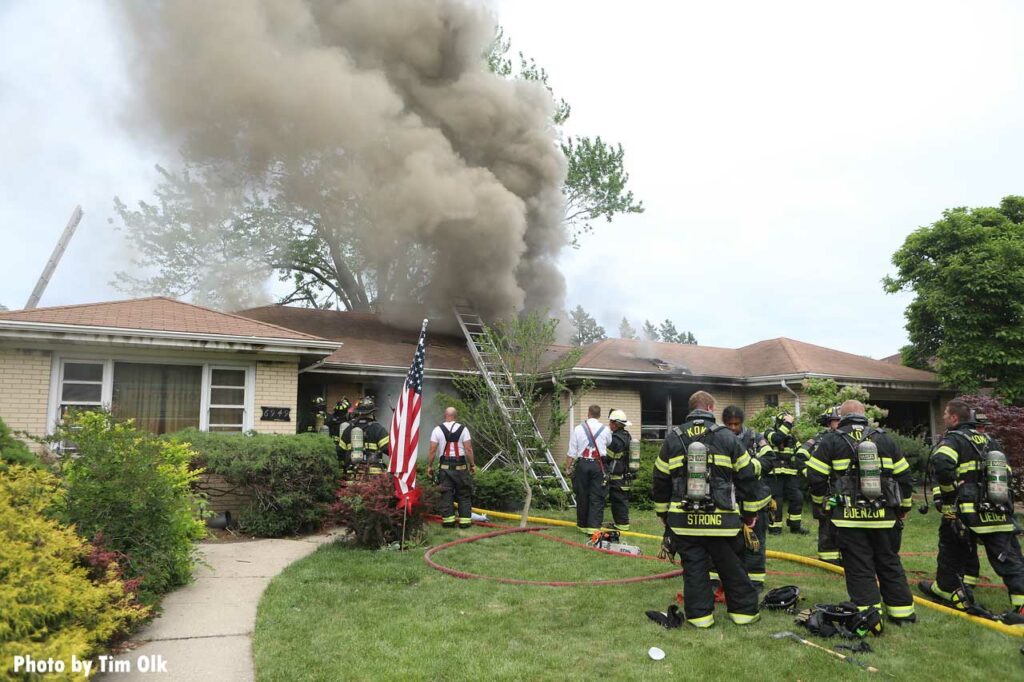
[510, 403]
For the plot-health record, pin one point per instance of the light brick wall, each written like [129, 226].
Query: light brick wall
[25, 389]
[221, 495]
[608, 397]
[277, 385]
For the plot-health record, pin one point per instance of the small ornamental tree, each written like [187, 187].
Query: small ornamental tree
[822, 394]
[1008, 428]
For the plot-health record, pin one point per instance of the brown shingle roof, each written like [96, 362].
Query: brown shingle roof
[367, 340]
[157, 313]
[773, 357]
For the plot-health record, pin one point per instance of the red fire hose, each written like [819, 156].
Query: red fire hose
[545, 583]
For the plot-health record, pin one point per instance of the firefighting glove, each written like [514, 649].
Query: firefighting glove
[669, 619]
[668, 551]
[773, 506]
[750, 539]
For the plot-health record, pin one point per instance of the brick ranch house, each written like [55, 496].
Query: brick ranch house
[171, 365]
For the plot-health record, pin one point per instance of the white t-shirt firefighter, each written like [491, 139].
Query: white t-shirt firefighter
[437, 436]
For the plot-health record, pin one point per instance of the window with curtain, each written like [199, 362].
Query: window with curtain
[160, 398]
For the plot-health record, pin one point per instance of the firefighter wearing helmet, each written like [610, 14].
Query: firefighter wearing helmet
[828, 549]
[705, 491]
[865, 482]
[977, 507]
[784, 480]
[364, 443]
[621, 462]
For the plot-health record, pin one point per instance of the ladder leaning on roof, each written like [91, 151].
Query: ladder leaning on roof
[510, 403]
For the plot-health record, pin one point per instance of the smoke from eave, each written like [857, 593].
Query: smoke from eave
[384, 117]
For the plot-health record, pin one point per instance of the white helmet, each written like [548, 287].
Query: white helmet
[619, 416]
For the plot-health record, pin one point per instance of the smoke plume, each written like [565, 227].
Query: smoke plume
[387, 104]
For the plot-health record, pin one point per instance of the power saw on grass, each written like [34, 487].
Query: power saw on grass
[608, 539]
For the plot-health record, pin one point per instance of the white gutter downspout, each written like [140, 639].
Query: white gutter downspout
[796, 398]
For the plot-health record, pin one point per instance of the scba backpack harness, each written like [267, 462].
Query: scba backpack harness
[453, 456]
[865, 494]
[700, 490]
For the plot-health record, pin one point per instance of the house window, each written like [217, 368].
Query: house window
[227, 399]
[771, 399]
[161, 397]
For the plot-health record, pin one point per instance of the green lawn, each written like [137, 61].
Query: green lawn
[353, 614]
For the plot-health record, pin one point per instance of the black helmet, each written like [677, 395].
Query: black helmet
[365, 407]
[785, 598]
[342, 405]
[828, 416]
[981, 419]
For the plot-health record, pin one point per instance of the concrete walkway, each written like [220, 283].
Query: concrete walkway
[205, 630]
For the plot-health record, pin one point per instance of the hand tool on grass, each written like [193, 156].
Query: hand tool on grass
[786, 634]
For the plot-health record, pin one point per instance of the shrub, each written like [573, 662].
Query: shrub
[368, 509]
[498, 489]
[640, 493]
[292, 478]
[914, 448]
[14, 451]
[135, 490]
[49, 605]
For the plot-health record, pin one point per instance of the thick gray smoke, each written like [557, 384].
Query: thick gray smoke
[387, 104]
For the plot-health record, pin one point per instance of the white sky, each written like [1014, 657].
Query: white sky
[783, 150]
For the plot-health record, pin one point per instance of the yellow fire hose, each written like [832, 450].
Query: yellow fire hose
[1012, 630]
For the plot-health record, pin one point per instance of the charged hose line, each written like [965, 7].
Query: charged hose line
[1012, 630]
[428, 557]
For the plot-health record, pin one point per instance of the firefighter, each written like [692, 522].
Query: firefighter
[754, 558]
[364, 443]
[785, 478]
[456, 469]
[616, 463]
[336, 425]
[977, 506]
[828, 549]
[701, 478]
[585, 464]
[867, 484]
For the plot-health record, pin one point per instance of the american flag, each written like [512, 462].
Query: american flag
[405, 429]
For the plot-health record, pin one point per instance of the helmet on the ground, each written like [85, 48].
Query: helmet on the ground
[620, 417]
[785, 597]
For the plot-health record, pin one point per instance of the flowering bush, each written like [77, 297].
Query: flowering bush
[368, 508]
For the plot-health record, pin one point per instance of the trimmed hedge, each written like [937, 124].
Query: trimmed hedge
[53, 600]
[292, 478]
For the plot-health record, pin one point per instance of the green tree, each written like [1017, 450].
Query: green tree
[596, 181]
[967, 273]
[585, 328]
[668, 333]
[626, 330]
[822, 395]
[523, 344]
[650, 332]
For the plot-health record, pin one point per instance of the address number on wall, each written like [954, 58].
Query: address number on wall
[276, 414]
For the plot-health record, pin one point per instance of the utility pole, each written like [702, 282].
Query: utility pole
[58, 251]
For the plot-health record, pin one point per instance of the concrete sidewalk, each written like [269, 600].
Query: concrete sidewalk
[205, 630]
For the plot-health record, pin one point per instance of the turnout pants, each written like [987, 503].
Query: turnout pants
[589, 487]
[754, 563]
[618, 498]
[870, 555]
[828, 542]
[698, 553]
[786, 491]
[456, 489]
[958, 559]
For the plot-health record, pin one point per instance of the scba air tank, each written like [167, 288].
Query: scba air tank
[997, 477]
[870, 467]
[357, 445]
[696, 472]
[634, 455]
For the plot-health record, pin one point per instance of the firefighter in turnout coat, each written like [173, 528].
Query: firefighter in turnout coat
[866, 485]
[364, 443]
[616, 463]
[704, 491]
[828, 549]
[785, 478]
[456, 469]
[977, 507]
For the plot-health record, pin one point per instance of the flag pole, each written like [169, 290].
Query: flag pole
[405, 513]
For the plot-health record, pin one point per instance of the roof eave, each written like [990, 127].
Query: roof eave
[149, 338]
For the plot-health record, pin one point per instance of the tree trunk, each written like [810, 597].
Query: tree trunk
[529, 496]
